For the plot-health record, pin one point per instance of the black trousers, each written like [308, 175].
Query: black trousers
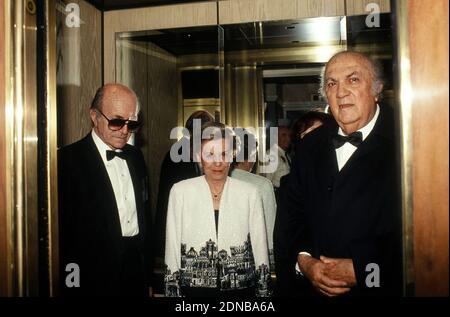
[132, 275]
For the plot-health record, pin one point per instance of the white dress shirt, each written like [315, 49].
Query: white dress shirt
[120, 178]
[344, 153]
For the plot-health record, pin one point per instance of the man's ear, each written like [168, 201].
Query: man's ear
[93, 115]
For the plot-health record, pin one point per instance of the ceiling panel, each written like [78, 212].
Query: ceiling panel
[247, 36]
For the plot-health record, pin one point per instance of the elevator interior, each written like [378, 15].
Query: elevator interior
[51, 66]
[257, 75]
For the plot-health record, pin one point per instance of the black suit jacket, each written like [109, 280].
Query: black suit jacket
[353, 213]
[90, 232]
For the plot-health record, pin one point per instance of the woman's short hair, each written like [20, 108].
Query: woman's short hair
[216, 130]
[204, 117]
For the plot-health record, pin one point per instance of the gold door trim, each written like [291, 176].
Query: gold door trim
[21, 149]
[405, 115]
[17, 176]
[51, 159]
[9, 146]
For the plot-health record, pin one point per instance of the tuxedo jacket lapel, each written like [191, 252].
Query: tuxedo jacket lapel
[327, 166]
[371, 143]
[105, 192]
[327, 171]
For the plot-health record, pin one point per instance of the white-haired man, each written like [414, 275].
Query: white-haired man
[341, 197]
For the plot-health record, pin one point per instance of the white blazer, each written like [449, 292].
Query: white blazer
[193, 249]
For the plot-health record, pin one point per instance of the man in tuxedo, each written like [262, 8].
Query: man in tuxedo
[341, 198]
[104, 203]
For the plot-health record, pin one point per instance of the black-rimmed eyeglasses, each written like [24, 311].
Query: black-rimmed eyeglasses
[116, 124]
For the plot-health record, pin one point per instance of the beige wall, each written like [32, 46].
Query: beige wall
[79, 71]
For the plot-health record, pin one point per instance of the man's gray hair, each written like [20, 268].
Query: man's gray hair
[375, 68]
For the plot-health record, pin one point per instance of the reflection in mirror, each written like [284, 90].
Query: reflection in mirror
[262, 74]
[279, 64]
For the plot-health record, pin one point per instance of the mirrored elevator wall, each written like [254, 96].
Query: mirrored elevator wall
[176, 72]
[244, 91]
[150, 71]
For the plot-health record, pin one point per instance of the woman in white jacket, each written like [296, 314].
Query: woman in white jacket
[216, 241]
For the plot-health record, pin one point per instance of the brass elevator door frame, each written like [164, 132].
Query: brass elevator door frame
[30, 156]
[21, 157]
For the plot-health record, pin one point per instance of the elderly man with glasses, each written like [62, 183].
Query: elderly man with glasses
[104, 203]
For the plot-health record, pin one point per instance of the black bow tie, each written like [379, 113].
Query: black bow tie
[111, 154]
[354, 139]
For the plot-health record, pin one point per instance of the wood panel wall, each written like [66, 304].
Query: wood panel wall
[3, 184]
[241, 11]
[79, 71]
[358, 7]
[429, 79]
